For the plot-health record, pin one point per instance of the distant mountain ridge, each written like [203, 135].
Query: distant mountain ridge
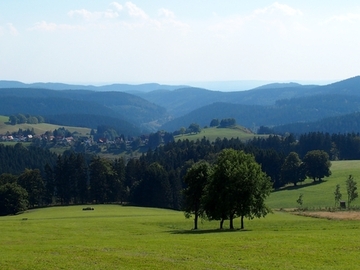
[146, 87]
[172, 107]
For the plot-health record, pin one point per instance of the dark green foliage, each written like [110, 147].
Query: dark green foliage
[215, 122]
[102, 178]
[195, 179]
[155, 140]
[15, 159]
[6, 178]
[238, 187]
[194, 128]
[155, 181]
[228, 122]
[337, 195]
[351, 188]
[292, 171]
[300, 200]
[33, 183]
[13, 199]
[317, 164]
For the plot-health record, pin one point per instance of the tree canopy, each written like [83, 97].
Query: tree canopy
[236, 187]
[317, 164]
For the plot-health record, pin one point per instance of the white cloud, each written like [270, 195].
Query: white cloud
[117, 6]
[91, 16]
[135, 11]
[277, 7]
[12, 29]
[350, 17]
[49, 27]
[277, 18]
[166, 13]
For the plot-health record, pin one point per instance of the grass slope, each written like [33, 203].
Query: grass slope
[38, 128]
[318, 195]
[213, 133]
[116, 237]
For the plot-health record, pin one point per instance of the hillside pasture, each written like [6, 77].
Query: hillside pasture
[38, 128]
[213, 133]
[120, 237]
[318, 195]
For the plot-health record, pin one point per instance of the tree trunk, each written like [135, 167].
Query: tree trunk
[242, 222]
[221, 223]
[195, 222]
[231, 222]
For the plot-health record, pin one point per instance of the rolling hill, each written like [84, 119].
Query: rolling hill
[131, 111]
[171, 107]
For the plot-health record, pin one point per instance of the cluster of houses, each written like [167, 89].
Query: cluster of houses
[11, 138]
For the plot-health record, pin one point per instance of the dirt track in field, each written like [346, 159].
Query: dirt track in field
[340, 215]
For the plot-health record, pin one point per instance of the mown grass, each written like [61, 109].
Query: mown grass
[38, 128]
[318, 195]
[124, 237]
[116, 237]
[213, 133]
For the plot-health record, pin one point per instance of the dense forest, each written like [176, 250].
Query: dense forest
[157, 177]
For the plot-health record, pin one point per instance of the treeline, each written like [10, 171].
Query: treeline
[156, 179]
[25, 118]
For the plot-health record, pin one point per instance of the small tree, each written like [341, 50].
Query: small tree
[214, 123]
[337, 195]
[196, 178]
[300, 200]
[351, 187]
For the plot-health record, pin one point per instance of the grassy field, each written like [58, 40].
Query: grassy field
[124, 237]
[213, 133]
[38, 128]
[319, 195]
[117, 237]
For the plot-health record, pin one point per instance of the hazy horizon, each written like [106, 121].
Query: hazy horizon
[178, 41]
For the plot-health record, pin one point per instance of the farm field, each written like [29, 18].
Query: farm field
[120, 237]
[213, 133]
[318, 195]
[38, 128]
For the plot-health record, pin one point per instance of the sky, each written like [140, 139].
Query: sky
[178, 41]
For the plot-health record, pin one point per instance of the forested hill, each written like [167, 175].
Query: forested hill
[343, 124]
[182, 101]
[146, 87]
[131, 109]
[303, 109]
[171, 108]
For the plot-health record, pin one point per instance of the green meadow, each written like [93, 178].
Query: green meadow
[212, 133]
[119, 237]
[126, 237]
[38, 128]
[318, 195]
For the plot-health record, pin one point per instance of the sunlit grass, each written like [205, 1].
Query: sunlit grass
[116, 237]
[213, 133]
[38, 128]
[321, 194]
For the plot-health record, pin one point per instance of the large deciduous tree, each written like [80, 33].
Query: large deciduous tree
[13, 199]
[238, 187]
[196, 179]
[317, 164]
[292, 171]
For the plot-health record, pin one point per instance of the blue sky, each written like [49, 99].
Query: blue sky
[178, 41]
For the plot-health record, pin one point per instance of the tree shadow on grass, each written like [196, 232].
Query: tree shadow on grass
[209, 231]
[300, 186]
